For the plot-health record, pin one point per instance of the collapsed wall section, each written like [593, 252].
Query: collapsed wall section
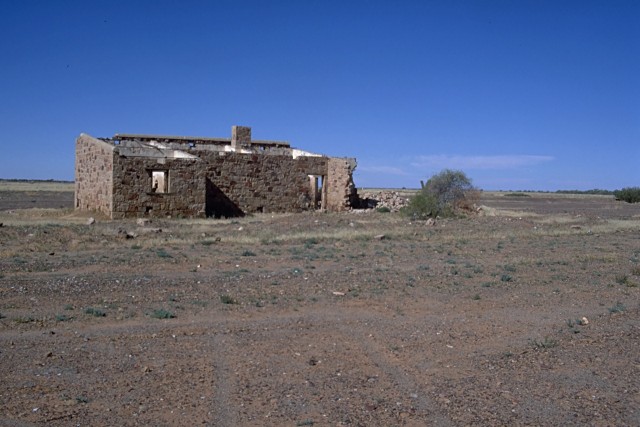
[93, 175]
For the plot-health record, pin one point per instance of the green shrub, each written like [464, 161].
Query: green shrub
[163, 253]
[421, 206]
[95, 312]
[629, 194]
[383, 209]
[161, 313]
[618, 308]
[544, 344]
[442, 195]
[227, 299]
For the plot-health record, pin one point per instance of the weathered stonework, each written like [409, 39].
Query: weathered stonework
[146, 175]
[94, 175]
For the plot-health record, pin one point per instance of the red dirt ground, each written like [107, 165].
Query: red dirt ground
[324, 319]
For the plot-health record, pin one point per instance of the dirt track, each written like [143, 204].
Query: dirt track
[316, 319]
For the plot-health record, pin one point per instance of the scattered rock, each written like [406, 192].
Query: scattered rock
[127, 234]
[391, 200]
[151, 230]
[340, 294]
[380, 237]
[91, 221]
[143, 222]
[584, 321]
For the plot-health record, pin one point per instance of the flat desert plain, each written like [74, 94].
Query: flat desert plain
[526, 314]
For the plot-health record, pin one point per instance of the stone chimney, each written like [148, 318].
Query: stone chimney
[240, 136]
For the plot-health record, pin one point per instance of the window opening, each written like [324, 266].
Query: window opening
[160, 181]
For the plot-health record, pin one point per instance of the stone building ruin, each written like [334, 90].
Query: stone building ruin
[133, 175]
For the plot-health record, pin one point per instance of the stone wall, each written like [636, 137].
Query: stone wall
[134, 195]
[264, 183]
[119, 180]
[340, 189]
[250, 182]
[93, 176]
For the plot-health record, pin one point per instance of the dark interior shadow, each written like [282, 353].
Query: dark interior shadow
[218, 205]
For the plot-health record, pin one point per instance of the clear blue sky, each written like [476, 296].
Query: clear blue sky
[540, 95]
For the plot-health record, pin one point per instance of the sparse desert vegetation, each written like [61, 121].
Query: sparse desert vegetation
[367, 318]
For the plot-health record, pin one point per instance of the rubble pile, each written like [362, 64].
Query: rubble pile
[383, 199]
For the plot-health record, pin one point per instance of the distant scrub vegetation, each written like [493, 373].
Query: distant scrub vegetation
[593, 191]
[629, 194]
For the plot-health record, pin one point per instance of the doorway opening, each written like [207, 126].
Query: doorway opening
[318, 191]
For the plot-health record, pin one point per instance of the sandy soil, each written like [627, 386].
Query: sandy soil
[526, 315]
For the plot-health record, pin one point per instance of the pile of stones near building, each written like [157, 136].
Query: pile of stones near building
[389, 199]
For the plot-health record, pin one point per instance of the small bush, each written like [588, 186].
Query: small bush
[163, 253]
[63, 318]
[383, 209]
[248, 253]
[545, 343]
[227, 299]
[443, 195]
[95, 312]
[421, 206]
[629, 194]
[622, 279]
[618, 308]
[161, 313]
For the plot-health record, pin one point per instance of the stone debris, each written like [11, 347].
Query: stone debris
[391, 200]
[143, 222]
[91, 221]
[127, 234]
